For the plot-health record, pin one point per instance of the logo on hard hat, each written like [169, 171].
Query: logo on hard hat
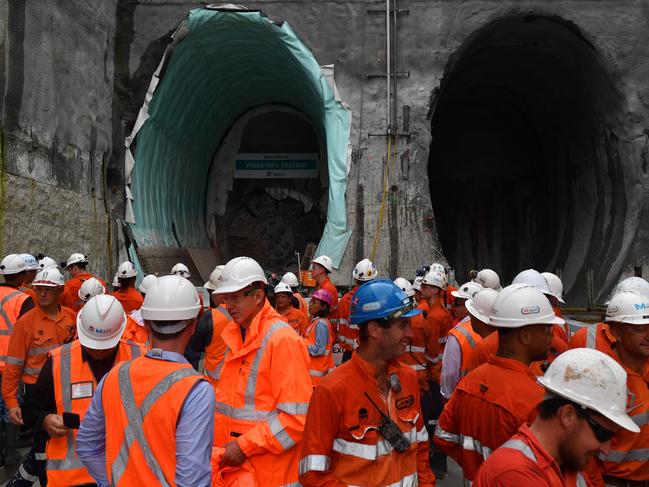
[530, 310]
[371, 306]
[641, 306]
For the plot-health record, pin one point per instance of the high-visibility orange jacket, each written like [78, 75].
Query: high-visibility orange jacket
[629, 455]
[296, 319]
[347, 333]
[35, 334]
[597, 337]
[440, 319]
[11, 302]
[74, 386]
[523, 462]
[333, 314]
[468, 340]
[30, 292]
[422, 354]
[487, 407]
[216, 349]
[304, 306]
[263, 395]
[70, 296]
[135, 331]
[342, 445]
[489, 346]
[560, 331]
[448, 298]
[172, 382]
[322, 364]
[130, 298]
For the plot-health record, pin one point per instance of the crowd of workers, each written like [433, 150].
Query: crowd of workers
[162, 385]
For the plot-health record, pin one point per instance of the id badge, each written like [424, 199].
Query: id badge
[81, 390]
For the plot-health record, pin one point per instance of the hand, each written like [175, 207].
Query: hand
[233, 456]
[53, 424]
[16, 416]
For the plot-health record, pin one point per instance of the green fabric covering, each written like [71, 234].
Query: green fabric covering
[228, 63]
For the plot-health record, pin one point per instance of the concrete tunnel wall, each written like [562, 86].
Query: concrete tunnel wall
[101, 83]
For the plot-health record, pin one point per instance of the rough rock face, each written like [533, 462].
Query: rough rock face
[74, 73]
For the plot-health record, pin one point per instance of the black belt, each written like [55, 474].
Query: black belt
[618, 482]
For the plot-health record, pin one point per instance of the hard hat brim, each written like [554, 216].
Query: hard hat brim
[413, 312]
[500, 323]
[474, 312]
[622, 419]
[46, 284]
[459, 295]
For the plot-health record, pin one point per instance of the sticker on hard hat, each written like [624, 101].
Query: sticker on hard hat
[372, 306]
[530, 310]
[640, 306]
[99, 331]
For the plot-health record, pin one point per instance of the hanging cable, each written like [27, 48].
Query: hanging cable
[384, 196]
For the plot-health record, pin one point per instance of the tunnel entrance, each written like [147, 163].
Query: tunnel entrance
[524, 166]
[267, 196]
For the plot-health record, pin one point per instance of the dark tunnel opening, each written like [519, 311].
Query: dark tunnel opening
[524, 167]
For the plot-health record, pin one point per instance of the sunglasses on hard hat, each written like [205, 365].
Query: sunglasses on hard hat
[400, 312]
[602, 434]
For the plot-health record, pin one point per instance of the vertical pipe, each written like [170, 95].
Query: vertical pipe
[388, 61]
[394, 66]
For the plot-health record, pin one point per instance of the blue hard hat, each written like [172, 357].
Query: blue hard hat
[380, 299]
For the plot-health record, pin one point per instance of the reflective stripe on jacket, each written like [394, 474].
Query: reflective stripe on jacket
[263, 396]
[422, 354]
[142, 401]
[216, 350]
[342, 444]
[347, 333]
[74, 387]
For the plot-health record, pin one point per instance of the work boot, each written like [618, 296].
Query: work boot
[11, 453]
[2, 444]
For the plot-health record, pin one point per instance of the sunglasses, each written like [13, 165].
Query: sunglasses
[602, 434]
[400, 312]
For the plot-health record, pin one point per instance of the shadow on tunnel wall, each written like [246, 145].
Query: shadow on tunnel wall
[527, 166]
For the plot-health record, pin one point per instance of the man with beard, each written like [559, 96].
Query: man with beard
[585, 405]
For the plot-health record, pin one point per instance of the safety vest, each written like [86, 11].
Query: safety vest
[11, 301]
[144, 397]
[468, 339]
[216, 350]
[263, 396]
[74, 386]
[323, 364]
[628, 458]
[347, 333]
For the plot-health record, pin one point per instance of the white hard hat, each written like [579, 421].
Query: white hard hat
[325, 261]
[364, 271]
[554, 285]
[12, 264]
[282, 287]
[592, 379]
[416, 284]
[467, 290]
[434, 278]
[101, 322]
[437, 267]
[239, 273]
[633, 283]
[116, 282]
[481, 304]
[180, 270]
[91, 287]
[215, 277]
[47, 263]
[628, 307]
[404, 284]
[521, 305]
[31, 262]
[533, 278]
[290, 279]
[126, 269]
[171, 298]
[49, 277]
[76, 259]
[488, 278]
[145, 285]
